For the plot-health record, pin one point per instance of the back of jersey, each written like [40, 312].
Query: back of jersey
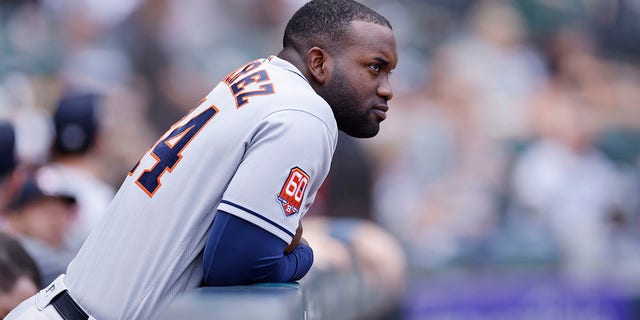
[257, 146]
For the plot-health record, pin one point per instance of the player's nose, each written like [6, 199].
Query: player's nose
[384, 89]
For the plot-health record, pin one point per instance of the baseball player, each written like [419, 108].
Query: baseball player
[218, 199]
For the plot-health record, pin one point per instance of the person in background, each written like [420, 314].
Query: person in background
[8, 164]
[76, 159]
[345, 231]
[39, 216]
[563, 181]
[19, 275]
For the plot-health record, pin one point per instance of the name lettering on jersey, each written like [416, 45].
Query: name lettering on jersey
[244, 70]
[168, 150]
[243, 81]
[292, 192]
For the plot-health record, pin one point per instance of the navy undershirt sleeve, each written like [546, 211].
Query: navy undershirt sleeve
[238, 252]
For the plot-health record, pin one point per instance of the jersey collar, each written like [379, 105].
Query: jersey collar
[285, 65]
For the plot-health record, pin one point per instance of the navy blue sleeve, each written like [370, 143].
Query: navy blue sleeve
[238, 252]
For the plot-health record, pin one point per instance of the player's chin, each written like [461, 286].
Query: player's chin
[371, 130]
[365, 126]
[374, 124]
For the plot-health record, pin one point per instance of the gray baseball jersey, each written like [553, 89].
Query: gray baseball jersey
[258, 146]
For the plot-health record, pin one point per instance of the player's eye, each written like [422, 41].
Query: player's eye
[375, 67]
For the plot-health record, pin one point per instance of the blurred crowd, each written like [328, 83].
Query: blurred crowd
[513, 138]
[518, 150]
[518, 147]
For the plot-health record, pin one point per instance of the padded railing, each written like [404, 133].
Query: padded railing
[329, 294]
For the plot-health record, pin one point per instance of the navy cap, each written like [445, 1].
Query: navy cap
[7, 148]
[76, 123]
[35, 188]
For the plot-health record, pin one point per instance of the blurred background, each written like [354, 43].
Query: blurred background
[505, 183]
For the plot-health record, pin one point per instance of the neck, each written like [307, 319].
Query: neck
[298, 60]
[293, 57]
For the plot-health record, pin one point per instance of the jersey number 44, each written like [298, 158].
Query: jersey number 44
[168, 150]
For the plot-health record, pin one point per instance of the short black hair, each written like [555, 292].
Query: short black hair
[324, 22]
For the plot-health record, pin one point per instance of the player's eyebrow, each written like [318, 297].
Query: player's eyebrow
[382, 61]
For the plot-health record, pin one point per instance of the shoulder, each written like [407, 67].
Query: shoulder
[294, 93]
[264, 87]
[302, 124]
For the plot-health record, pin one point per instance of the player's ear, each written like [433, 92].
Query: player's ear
[319, 64]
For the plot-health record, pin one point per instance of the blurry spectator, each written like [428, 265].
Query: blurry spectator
[443, 157]
[369, 253]
[7, 162]
[607, 86]
[7, 148]
[564, 181]
[342, 225]
[92, 58]
[30, 39]
[347, 191]
[441, 172]
[501, 68]
[40, 216]
[141, 37]
[19, 275]
[11, 173]
[76, 158]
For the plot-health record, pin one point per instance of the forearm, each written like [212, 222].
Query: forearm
[239, 253]
[293, 266]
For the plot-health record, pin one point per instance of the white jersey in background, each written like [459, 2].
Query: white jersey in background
[258, 146]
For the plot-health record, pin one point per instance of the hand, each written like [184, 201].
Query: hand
[297, 239]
